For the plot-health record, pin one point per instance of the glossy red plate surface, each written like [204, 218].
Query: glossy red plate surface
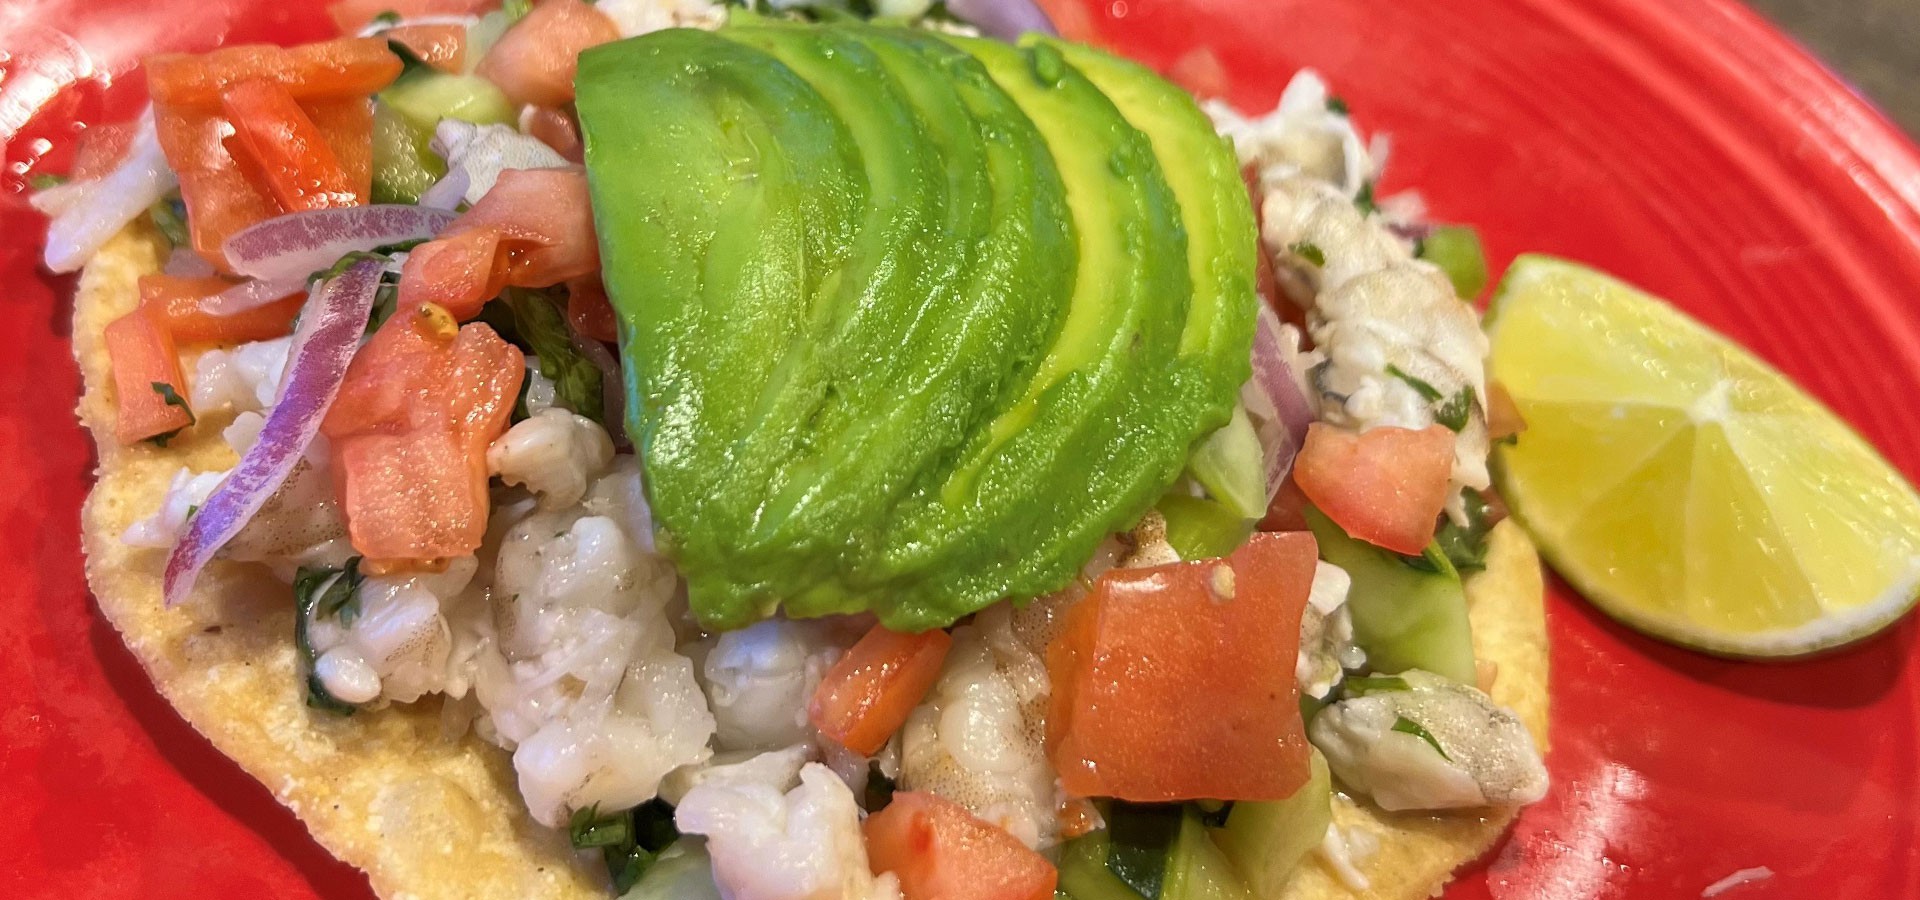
[1681, 144]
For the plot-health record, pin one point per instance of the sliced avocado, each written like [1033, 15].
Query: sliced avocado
[1265, 841]
[1407, 613]
[726, 199]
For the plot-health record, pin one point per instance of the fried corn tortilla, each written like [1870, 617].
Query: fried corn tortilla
[432, 816]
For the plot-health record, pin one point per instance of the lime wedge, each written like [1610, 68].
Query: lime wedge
[1685, 487]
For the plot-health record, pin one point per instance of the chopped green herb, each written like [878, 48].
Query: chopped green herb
[516, 9]
[1365, 199]
[1308, 251]
[1456, 411]
[1362, 685]
[41, 182]
[1140, 835]
[169, 215]
[1336, 106]
[576, 380]
[1213, 813]
[321, 592]
[173, 398]
[1466, 545]
[410, 62]
[630, 841]
[387, 18]
[192, 508]
[1405, 725]
[1426, 391]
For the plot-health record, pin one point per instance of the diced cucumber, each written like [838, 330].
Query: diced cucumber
[1197, 869]
[1199, 528]
[1456, 250]
[1084, 874]
[424, 98]
[1265, 841]
[483, 34]
[1231, 466]
[403, 163]
[684, 871]
[1408, 613]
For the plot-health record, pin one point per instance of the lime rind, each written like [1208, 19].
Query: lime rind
[1722, 508]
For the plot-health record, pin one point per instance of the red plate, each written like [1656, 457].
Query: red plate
[1681, 144]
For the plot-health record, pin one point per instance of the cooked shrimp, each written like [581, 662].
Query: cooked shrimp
[773, 840]
[1436, 745]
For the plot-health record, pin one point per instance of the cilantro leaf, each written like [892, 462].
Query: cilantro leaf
[1405, 725]
[169, 215]
[1308, 251]
[322, 592]
[1466, 545]
[173, 398]
[576, 380]
[1362, 685]
[630, 841]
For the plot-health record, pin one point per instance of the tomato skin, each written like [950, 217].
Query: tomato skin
[556, 129]
[534, 229]
[409, 432]
[339, 69]
[353, 15]
[443, 47]
[143, 355]
[590, 311]
[173, 301]
[101, 149]
[1385, 486]
[1176, 682]
[868, 693]
[535, 61]
[292, 160]
[219, 198]
[940, 851]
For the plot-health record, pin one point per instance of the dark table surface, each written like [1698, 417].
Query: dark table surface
[1873, 43]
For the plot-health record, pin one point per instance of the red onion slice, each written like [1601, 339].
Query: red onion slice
[249, 294]
[1003, 19]
[1276, 397]
[184, 262]
[299, 244]
[323, 345]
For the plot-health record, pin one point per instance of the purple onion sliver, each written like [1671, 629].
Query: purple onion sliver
[323, 345]
[1279, 410]
[448, 192]
[1003, 19]
[302, 243]
[251, 294]
[186, 263]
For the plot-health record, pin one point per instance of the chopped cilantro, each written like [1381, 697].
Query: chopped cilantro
[1405, 725]
[576, 380]
[516, 9]
[410, 62]
[1337, 106]
[387, 18]
[169, 215]
[1466, 545]
[1456, 411]
[1362, 685]
[1308, 251]
[1426, 391]
[173, 398]
[1365, 199]
[192, 509]
[630, 841]
[41, 182]
[321, 592]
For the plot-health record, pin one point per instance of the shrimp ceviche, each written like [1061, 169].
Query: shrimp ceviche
[666, 448]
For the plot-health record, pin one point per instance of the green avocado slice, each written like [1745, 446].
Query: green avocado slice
[725, 198]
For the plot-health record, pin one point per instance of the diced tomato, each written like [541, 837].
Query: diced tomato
[292, 159]
[348, 126]
[101, 149]
[330, 70]
[940, 851]
[146, 367]
[1176, 682]
[869, 692]
[590, 311]
[540, 226]
[353, 15]
[535, 61]
[219, 198]
[443, 47]
[1287, 511]
[174, 302]
[1385, 485]
[409, 431]
[460, 272]
[556, 129]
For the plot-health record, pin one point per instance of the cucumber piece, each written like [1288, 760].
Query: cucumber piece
[1198, 528]
[1084, 874]
[1232, 467]
[1266, 841]
[684, 871]
[424, 98]
[1197, 869]
[404, 165]
[1408, 612]
[1456, 250]
[483, 34]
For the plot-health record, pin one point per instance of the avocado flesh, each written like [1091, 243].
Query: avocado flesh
[726, 193]
[1026, 391]
[1087, 448]
[971, 294]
